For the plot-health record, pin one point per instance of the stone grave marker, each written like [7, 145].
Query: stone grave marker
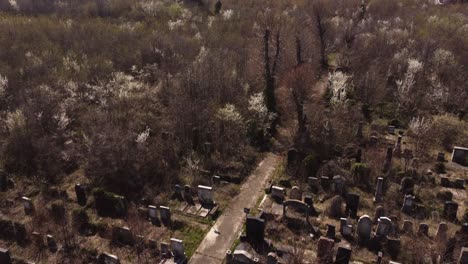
[440, 157]
[325, 250]
[255, 229]
[178, 192]
[339, 185]
[5, 257]
[277, 192]
[388, 160]
[391, 130]
[37, 239]
[423, 229]
[343, 255]
[20, 233]
[435, 216]
[178, 249]
[459, 183]
[352, 204]
[460, 156]
[384, 226]
[325, 182]
[28, 205]
[358, 156]
[463, 256]
[152, 212]
[379, 212]
[364, 228]
[165, 250]
[408, 226]
[80, 194]
[378, 197]
[331, 231]
[188, 194]
[106, 258]
[205, 195]
[441, 234]
[407, 185]
[295, 193]
[408, 204]
[51, 244]
[393, 246]
[445, 182]
[165, 214]
[450, 210]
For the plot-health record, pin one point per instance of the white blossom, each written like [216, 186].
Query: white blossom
[227, 14]
[338, 83]
[229, 113]
[15, 121]
[405, 85]
[143, 136]
[443, 58]
[3, 85]
[175, 24]
[257, 105]
[62, 119]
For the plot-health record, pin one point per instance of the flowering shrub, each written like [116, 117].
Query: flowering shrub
[339, 87]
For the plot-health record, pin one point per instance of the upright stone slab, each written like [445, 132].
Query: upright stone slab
[255, 229]
[407, 185]
[5, 257]
[379, 212]
[408, 226]
[384, 226]
[51, 244]
[325, 250]
[378, 197]
[463, 259]
[460, 155]
[358, 156]
[80, 194]
[459, 183]
[450, 211]
[205, 195]
[393, 246]
[423, 229]
[352, 204]
[388, 160]
[440, 157]
[28, 205]
[339, 185]
[295, 193]
[331, 231]
[408, 204]
[277, 193]
[165, 214]
[364, 228]
[152, 212]
[178, 249]
[441, 234]
[343, 255]
[106, 258]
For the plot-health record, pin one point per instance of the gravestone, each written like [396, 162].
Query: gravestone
[80, 194]
[408, 226]
[378, 197]
[393, 246]
[325, 250]
[339, 184]
[373, 140]
[277, 193]
[20, 233]
[343, 255]
[325, 182]
[106, 258]
[165, 214]
[205, 195]
[28, 205]
[51, 244]
[445, 182]
[188, 194]
[459, 183]
[463, 259]
[379, 212]
[295, 193]
[397, 150]
[5, 257]
[313, 182]
[388, 160]
[359, 130]
[215, 180]
[272, 258]
[391, 130]
[309, 201]
[331, 231]
[407, 185]
[7, 230]
[408, 204]
[255, 230]
[152, 212]
[352, 204]
[379, 257]
[242, 256]
[440, 157]
[364, 228]
[347, 230]
[450, 211]
[178, 249]
[358, 156]
[423, 229]
[37, 239]
[460, 156]
[122, 235]
[384, 226]
[109, 204]
[435, 216]
[441, 234]
[3, 181]
[178, 192]
[165, 250]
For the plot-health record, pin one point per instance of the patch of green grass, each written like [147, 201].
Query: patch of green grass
[192, 237]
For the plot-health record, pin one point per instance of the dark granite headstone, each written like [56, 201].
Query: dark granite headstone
[450, 210]
[343, 255]
[5, 257]
[255, 229]
[80, 194]
[352, 204]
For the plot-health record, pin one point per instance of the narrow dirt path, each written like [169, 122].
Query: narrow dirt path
[229, 225]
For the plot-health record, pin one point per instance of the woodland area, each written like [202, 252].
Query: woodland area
[135, 96]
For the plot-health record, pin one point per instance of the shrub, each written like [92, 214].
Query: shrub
[311, 165]
[109, 204]
[335, 209]
[79, 217]
[439, 167]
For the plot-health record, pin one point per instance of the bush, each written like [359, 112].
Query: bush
[109, 204]
[361, 173]
[439, 168]
[311, 165]
[448, 131]
[335, 209]
[79, 217]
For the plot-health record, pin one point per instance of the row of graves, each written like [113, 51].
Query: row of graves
[343, 219]
[151, 223]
